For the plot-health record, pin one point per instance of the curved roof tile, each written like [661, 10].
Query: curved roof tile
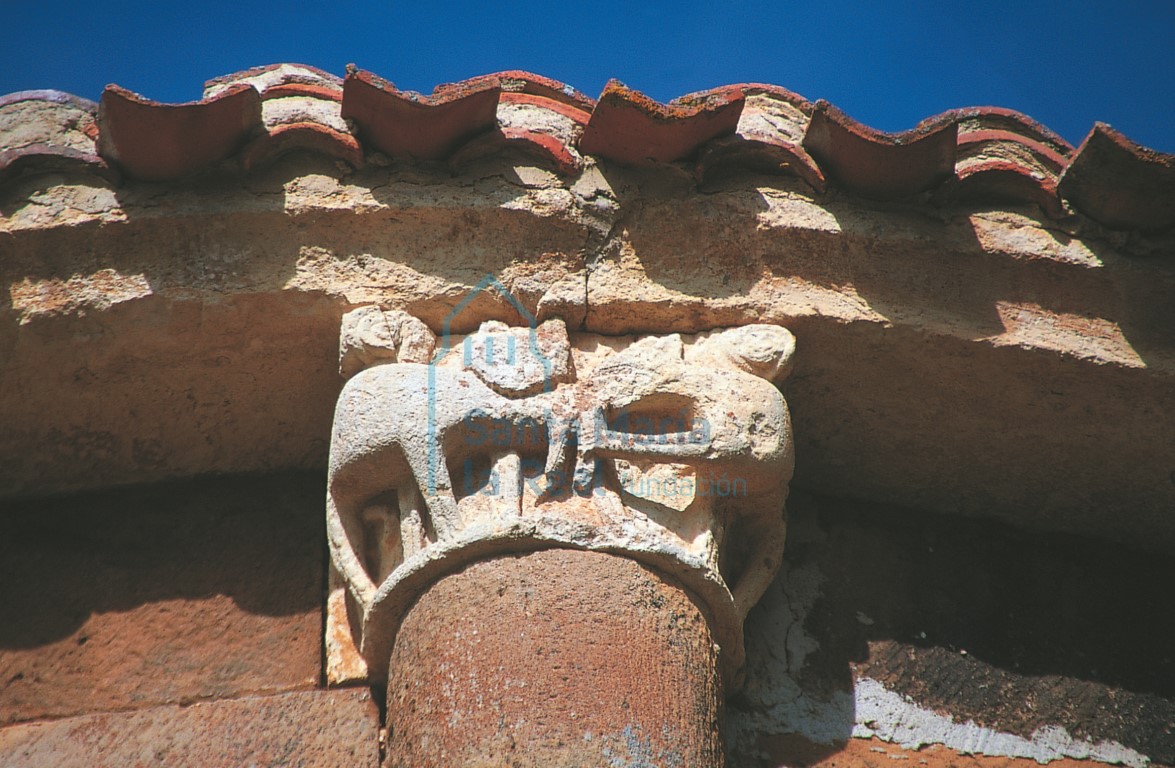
[538, 126]
[408, 124]
[882, 165]
[301, 109]
[977, 154]
[630, 128]
[1120, 183]
[763, 154]
[308, 136]
[1006, 157]
[516, 81]
[46, 132]
[546, 149]
[1002, 181]
[48, 158]
[155, 142]
[768, 138]
[272, 76]
[973, 119]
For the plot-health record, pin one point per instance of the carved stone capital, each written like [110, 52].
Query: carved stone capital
[674, 451]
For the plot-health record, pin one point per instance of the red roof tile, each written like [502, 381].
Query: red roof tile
[974, 155]
[570, 111]
[307, 136]
[274, 75]
[543, 128]
[516, 81]
[154, 141]
[1121, 184]
[47, 95]
[972, 119]
[778, 93]
[1043, 153]
[407, 124]
[630, 128]
[764, 155]
[49, 132]
[46, 158]
[548, 150]
[286, 90]
[1003, 182]
[767, 140]
[301, 109]
[1006, 157]
[877, 164]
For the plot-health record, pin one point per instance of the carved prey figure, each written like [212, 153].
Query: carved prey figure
[673, 451]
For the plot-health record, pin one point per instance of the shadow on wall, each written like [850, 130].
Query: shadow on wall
[163, 593]
[1013, 631]
[211, 308]
[962, 361]
[960, 270]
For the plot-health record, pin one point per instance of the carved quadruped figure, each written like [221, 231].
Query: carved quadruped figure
[673, 450]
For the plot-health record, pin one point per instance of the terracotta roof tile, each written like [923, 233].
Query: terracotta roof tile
[881, 165]
[47, 117]
[1121, 184]
[302, 136]
[542, 128]
[407, 124]
[46, 158]
[301, 109]
[249, 118]
[1006, 182]
[516, 81]
[46, 132]
[546, 149]
[1006, 157]
[273, 76]
[1024, 148]
[630, 128]
[285, 90]
[154, 141]
[973, 119]
[768, 138]
[572, 112]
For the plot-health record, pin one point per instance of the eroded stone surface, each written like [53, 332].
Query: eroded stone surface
[48, 118]
[169, 593]
[370, 335]
[311, 729]
[344, 664]
[976, 362]
[673, 450]
[555, 658]
[970, 333]
[875, 753]
[922, 630]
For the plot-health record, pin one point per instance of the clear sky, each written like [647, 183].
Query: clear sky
[888, 64]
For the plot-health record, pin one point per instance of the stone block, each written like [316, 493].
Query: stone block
[310, 729]
[169, 593]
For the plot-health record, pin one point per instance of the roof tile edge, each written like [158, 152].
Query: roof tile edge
[971, 154]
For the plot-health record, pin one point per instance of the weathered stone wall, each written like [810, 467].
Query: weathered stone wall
[985, 363]
[184, 620]
[904, 630]
[176, 624]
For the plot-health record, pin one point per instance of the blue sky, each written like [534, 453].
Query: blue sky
[891, 64]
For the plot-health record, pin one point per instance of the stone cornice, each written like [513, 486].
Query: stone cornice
[986, 361]
[247, 120]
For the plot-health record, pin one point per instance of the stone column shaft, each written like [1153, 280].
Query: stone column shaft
[554, 659]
